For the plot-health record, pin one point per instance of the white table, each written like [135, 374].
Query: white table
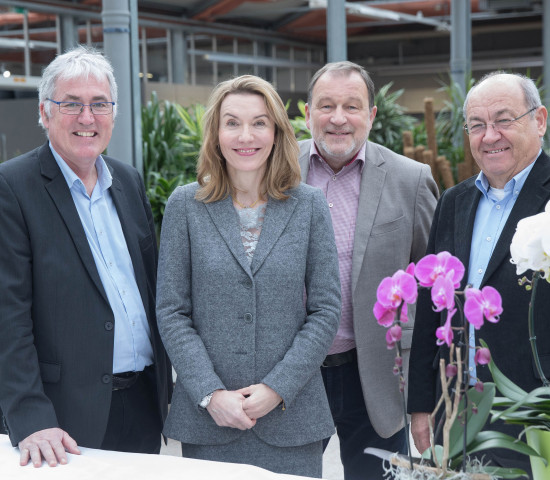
[101, 464]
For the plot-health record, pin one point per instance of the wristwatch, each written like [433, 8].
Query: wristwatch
[206, 400]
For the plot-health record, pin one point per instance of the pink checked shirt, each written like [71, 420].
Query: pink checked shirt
[342, 192]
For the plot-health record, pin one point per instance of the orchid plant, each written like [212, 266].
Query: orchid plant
[466, 411]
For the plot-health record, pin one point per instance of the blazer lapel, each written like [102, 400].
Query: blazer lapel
[372, 183]
[531, 200]
[303, 160]
[59, 192]
[277, 216]
[226, 220]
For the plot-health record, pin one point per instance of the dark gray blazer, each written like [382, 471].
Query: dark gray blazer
[227, 324]
[56, 324]
[396, 202]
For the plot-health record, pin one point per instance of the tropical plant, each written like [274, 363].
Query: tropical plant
[172, 136]
[391, 120]
[299, 122]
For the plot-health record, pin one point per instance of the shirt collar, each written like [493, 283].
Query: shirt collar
[104, 178]
[514, 185]
[314, 155]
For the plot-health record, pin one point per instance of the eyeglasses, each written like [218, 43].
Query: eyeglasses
[76, 108]
[499, 125]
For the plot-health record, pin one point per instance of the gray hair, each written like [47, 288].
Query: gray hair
[531, 93]
[346, 68]
[80, 62]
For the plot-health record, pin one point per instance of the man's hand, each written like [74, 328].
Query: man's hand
[226, 408]
[260, 400]
[50, 444]
[420, 429]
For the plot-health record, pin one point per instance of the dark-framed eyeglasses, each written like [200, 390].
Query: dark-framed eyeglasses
[499, 125]
[76, 108]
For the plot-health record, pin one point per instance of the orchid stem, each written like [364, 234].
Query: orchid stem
[532, 336]
[402, 389]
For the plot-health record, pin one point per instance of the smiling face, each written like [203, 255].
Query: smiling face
[339, 116]
[79, 139]
[246, 134]
[503, 154]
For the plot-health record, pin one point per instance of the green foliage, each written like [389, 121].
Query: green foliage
[390, 121]
[172, 137]
[299, 123]
[476, 439]
[531, 409]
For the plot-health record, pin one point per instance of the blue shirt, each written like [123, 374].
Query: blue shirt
[492, 213]
[132, 344]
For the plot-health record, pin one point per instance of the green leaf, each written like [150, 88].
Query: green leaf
[490, 439]
[505, 386]
[476, 421]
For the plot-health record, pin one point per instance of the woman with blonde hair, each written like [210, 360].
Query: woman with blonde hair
[248, 292]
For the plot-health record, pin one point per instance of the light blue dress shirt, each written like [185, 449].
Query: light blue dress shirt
[493, 210]
[133, 350]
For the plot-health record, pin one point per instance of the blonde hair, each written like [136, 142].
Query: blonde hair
[282, 170]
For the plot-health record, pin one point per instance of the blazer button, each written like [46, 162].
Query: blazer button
[248, 317]
[106, 378]
[247, 283]
[108, 326]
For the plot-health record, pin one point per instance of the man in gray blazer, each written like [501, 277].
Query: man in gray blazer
[81, 360]
[382, 205]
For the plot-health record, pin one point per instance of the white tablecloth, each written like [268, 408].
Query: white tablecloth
[103, 465]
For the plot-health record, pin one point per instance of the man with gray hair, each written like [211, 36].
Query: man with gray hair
[81, 360]
[475, 221]
[381, 205]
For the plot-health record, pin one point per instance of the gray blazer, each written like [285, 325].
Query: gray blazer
[396, 205]
[227, 324]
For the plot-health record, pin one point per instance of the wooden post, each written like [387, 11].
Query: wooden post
[444, 167]
[429, 120]
[428, 159]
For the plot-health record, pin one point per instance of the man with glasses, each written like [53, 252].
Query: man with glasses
[81, 360]
[476, 221]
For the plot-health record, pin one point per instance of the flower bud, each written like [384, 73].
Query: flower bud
[450, 370]
[479, 386]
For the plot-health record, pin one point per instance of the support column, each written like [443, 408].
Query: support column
[117, 22]
[337, 46]
[69, 33]
[179, 57]
[461, 42]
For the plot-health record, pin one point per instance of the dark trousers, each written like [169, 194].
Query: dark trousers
[134, 421]
[353, 425]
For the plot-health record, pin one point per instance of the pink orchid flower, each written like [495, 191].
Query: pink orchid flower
[392, 291]
[443, 292]
[445, 334]
[482, 356]
[393, 335]
[429, 268]
[485, 303]
[386, 316]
